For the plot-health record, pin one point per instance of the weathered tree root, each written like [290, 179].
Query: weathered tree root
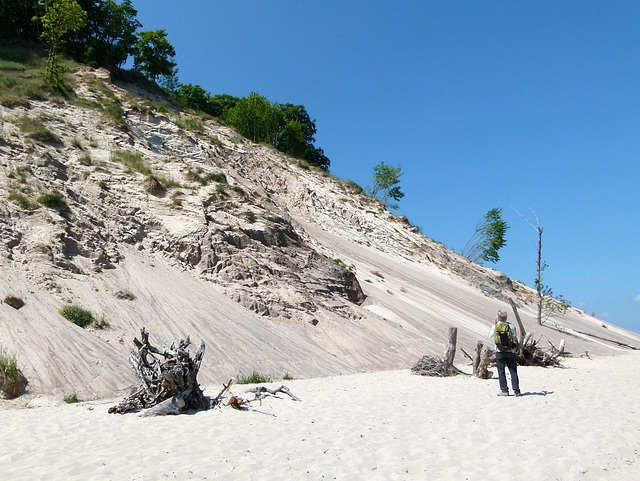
[168, 383]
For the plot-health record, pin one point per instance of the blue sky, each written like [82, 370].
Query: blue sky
[530, 104]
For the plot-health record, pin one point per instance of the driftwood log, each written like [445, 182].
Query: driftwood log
[433, 366]
[168, 379]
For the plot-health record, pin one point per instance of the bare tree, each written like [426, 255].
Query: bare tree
[540, 265]
[548, 304]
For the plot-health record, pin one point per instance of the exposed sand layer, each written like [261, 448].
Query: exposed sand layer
[578, 423]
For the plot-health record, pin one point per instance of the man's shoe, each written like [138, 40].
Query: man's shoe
[518, 394]
[503, 393]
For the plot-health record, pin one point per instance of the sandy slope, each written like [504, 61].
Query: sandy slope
[579, 423]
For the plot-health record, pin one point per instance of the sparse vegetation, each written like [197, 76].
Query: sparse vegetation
[287, 377]
[54, 200]
[101, 323]
[125, 295]
[85, 159]
[36, 130]
[8, 364]
[253, 378]
[12, 381]
[132, 160]
[239, 190]
[220, 189]
[351, 184]
[79, 316]
[14, 302]
[190, 123]
[377, 274]
[22, 200]
[71, 399]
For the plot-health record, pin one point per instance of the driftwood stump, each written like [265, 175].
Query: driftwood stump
[477, 356]
[432, 366]
[167, 377]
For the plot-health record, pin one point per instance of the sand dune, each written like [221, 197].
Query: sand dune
[577, 423]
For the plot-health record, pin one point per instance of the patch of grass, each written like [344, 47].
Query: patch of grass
[351, 184]
[20, 79]
[71, 399]
[77, 315]
[101, 323]
[22, 200]
[14, 302]
[132, 160]
[93, 143]
[216, 177]
[191, 124]
[36, 130]
[153, 186]
[77, 144]
[160, 107]
[168, 183]
[85, 159]
[239, 190]
[377, 274]
[54, 200]
[253, 378]
[220, 189]
[8, 364]
[287, 377]
[20, 173]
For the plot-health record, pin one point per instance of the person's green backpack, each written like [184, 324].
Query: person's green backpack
[503, 337]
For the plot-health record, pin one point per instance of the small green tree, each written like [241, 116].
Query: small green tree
[385, 185]
[60, 16]
[154, 55]
[255, 118]
[488, 238]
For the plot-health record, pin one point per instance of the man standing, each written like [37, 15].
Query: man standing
[504, 335]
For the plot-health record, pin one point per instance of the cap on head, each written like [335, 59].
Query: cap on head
[502, 316]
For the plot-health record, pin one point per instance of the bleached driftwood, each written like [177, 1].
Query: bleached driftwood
[168, 379]
[261, 390]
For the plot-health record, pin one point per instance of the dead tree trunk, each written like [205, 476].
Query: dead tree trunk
[476, 357]
[520, 327]
[483, 368]
[433, 366]
[167, 382]
[450, 351]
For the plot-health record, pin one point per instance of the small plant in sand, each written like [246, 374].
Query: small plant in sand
[14, 302]
[253, 378]
[71, 399]
[79, 316]
[12, 381]
[8, 364]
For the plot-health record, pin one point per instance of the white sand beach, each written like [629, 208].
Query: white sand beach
[581, 422]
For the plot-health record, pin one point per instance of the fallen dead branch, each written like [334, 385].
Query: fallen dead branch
[261, 391]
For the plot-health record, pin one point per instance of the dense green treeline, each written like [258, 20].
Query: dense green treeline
[109, 36]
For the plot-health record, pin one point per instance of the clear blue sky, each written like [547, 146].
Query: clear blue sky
[530, 104]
